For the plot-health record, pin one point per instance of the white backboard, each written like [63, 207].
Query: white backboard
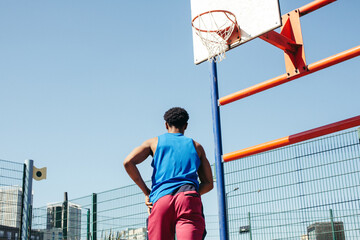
[255, 17]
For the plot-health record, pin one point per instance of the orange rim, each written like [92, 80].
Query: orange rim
[212, 11]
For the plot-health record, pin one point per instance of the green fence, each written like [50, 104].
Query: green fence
[11, 180]
[304, 191]
[115, 214]
[16, 200]
[212, 227]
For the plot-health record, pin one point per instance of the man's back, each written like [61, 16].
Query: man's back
[175, 163]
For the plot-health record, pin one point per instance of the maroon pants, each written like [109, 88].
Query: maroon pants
[181, 213]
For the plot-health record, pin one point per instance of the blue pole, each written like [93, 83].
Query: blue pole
[218, 153]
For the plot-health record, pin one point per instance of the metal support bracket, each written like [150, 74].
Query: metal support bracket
[291, 42]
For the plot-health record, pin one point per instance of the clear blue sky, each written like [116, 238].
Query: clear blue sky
[84, 82]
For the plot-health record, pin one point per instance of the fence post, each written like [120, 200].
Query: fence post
[22, 201]
[332, 225]
[26, 201]
[250, 234]
[94, 215]
[88, 234]
[65, 216]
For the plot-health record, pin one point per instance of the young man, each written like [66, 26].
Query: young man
[174, 202]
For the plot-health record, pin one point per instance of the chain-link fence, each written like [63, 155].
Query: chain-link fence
[115, 214]
[16, 200]
[304, 191]
[11, 180]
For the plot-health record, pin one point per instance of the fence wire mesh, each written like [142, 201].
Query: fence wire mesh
[302, 191]
[115, 214]
[212, 227]
[11, 180]
[128, 203]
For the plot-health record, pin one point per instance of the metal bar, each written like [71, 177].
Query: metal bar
[332, 225]
[335, 59]
[94, 216]
[224, 233]
[315, 5]
[249, 218]
[227, 213]
[280, 41]
[22, 202]
[314, 67]
[299, 137]
[65, 216]
[88, 233]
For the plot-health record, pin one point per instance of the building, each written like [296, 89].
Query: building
[10, 214]
[52, 234]
[12, 233]
[323, 231]
[132, 234]
[10, 206]
[60, 221]
[138, 234]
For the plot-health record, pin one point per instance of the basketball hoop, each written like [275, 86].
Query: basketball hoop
[217, 30]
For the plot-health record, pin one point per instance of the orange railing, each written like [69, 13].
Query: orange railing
[296, 138]
[324, 63]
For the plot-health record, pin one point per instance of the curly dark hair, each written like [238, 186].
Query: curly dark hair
[176, 117]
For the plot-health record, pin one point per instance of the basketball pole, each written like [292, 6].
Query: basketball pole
[220, 183]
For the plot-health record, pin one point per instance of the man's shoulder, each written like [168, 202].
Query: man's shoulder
[151, 141]
[151, 144]
[198, 145]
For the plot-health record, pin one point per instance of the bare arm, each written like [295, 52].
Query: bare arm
[204, 171]
[137, 156]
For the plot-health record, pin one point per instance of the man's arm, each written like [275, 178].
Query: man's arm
[137, 156]
[204, 171]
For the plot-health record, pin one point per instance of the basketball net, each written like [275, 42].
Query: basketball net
[215, 29]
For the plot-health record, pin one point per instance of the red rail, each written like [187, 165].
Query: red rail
[327, 62]
[300, 137]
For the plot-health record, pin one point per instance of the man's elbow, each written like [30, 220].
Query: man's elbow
[127, 164]
[211, 185]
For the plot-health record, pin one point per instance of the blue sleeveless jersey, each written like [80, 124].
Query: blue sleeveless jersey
[175, 163]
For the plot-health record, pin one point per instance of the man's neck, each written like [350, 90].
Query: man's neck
[175, 130]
